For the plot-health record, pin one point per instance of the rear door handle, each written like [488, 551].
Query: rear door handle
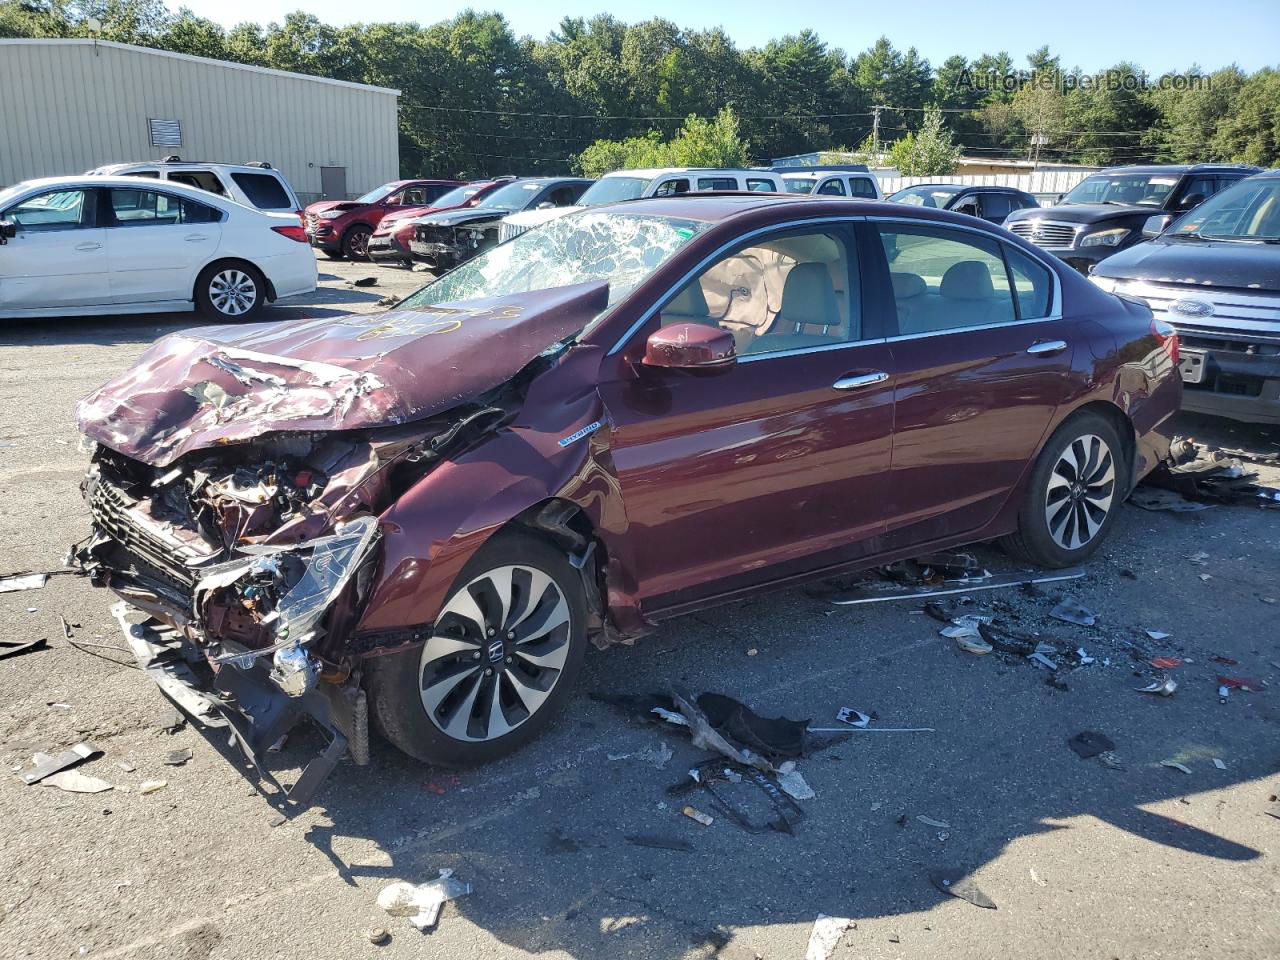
[88, 245]
[858, 380]
[195, 237]
[1047, 347]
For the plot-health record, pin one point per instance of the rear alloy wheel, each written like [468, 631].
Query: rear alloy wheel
[1073, 493]
[355, 243]
[500, 660]
[230, 291]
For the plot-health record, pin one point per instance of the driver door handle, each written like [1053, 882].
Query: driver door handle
[195, 237]
[88, 245]
[856, 381]
[1047, 347]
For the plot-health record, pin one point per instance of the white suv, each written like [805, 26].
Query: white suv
[256, 185]
[634, 184]
[860, 186]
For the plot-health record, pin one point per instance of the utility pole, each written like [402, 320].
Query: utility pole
[875, 131]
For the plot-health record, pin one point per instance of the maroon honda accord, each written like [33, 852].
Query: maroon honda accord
[630, 413]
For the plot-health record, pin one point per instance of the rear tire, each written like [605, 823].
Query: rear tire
[354, 242]
[1076, 488]
[513, 626]
[231, 292]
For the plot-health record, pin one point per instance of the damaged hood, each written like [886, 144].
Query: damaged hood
[228, 384]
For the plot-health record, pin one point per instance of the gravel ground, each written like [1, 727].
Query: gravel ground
[1083, 860]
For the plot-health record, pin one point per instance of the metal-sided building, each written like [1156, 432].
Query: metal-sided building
[67, 106]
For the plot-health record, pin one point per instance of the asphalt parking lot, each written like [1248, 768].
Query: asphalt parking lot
[1083, 859]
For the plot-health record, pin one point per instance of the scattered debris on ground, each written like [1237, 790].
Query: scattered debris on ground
[878, 586]
[48, 765]
[176, 758]
[825, 935]
[958, 883]
[377, 935]
[1175, 765]
[15, 648]
[1201, 479]
[1089, 743]
[654, 756]
[151, 786]
[1069, 610]
[365, 282]
[422, 902]
[27, 581]
[73, 781]
[1160, 687]
[929, 821]
[693, 813]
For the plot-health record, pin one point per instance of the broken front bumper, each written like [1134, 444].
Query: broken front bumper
[244, 699]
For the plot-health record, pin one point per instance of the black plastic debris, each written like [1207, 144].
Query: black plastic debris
[958, 883]
[176, 758]
[773, 736]
[1209, 479]
[655, 842]
[879, 590]
[1007, 639]
[365, 282]
[1089, 743]
[15, 648]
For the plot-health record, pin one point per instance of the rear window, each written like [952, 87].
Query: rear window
[204, 180]
[263, 190]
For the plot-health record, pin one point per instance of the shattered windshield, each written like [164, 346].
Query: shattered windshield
[579, 248]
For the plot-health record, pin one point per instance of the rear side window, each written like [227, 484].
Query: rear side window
[1032, 284]
[205, 180]
[671, 187]
[761, 186]
[263, 190]
[945, 279]
[717, 183]
[832, 188]
[141, 208]
[862, 187]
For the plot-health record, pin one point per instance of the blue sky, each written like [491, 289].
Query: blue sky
[1160, 35]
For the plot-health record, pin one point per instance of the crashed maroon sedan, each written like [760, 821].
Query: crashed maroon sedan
[630, 413]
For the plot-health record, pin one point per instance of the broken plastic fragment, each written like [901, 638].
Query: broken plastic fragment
[1158, 635]
[1219, 764]
[1241, 683]
[792, 783]
[422, 902]
[854, 718]
[1069, 610]
[693, 813]
[1088, 744]
[1161, 687]
[973, 644]
[1175, 765]
[30, 581]
[1165, 663]
[940, 824]
[73, 781]
[46, 765]
[670, 716]
[825, 935]
[1084, 658]
[957, 883]
[151, 786]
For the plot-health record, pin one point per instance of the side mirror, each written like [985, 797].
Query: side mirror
[1154, 226]
[1192, 200]
[8, 230]
[545, 205]
[690, 346]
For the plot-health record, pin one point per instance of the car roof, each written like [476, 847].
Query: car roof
[551, 180]
[1177, 168]
[183, 164]
[654, 172]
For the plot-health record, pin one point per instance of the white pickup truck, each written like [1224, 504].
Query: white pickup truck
[634, 184]
[836, 183]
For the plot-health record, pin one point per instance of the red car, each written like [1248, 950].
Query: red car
[390, 240]
[628, 414]
[341, 228]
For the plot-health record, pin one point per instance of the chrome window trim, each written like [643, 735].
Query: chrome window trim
[1054, 314]
[819, 348]
[671, 292]
[977, 326]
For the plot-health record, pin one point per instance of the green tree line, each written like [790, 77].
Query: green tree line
[477, 99]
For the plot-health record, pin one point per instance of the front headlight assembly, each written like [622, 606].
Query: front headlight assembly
[1106, 238]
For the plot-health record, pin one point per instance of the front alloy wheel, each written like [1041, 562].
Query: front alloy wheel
[1081, 488]
[496, 654]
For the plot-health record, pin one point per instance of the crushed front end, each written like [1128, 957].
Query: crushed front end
[239, 584]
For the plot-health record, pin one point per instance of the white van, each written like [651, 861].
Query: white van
[861, 186]
[256, 185]
[635, 184]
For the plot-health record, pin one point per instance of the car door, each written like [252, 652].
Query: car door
[58, 257]
[982, 363]
[777, 464]
[157, 242]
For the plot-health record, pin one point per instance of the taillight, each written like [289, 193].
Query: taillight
[1168, 338]
[293, 233]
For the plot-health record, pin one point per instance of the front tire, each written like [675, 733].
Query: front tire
[355, 243]
[1076, 489]
[501, 660]
[231, 292]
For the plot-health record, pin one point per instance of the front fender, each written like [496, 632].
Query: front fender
[559, 450]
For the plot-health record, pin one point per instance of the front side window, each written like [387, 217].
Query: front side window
[376, 194]
[832, 188]
[789, 292]
[1247, 211]
[56, 210]
[578, 248]
[614, 190]
[670, 188]
[945, 279]
[799, 184]
[514, 196]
